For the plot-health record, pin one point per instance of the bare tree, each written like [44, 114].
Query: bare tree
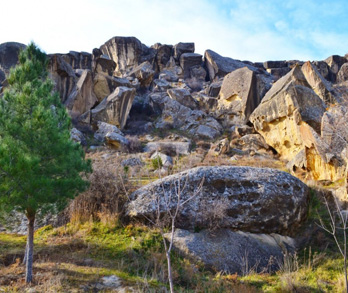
[168, 205]
[338, 222]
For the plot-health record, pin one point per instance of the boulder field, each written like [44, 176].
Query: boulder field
[289, 111]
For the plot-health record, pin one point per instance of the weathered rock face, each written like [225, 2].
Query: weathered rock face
[104, 65]
[104, 85]
[82, 98]
[9, 55]
[318, 83]
[189, 60]
[127, 52]
[79, 60]
[334, 63]
[300, 126]
[183, 96]
[277, 68]
[63, 76]
[182, 48]
[327, 158]
[115, 108]
[214, 89]
[342, 75]
[176, 115]
[143, 73]
[219, 66]
[163, 54]
[323, 68]
[288, 105]
[241, 92]
[254, 200]
[234, 252]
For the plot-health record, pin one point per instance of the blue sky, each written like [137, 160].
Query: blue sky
[255, 30]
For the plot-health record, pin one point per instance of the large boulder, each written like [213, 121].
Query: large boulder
[258, 200]
[182, 48]
[115, 108]
[288, 105]
[79, 60]
[219, 66]
[144, 73]
[323, 68]
[303, 129]
[127, 52]
[104, 85]
[182, 96]
[63, 76]
[342, 75]
[82, 98]
[9, 55]
[319, 84]
[232, 252]
[189, 60]
[241, 92]
[163, 54]
[275, 64]
[103, 64]
[334, 63]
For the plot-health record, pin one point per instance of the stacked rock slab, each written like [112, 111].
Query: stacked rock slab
[115, 108]
[291, 119]
[241, 92]
[63, 76]
[219, 66]
[127, 53]
[318, 83]
[82, 98]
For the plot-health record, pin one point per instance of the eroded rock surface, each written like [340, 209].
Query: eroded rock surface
[256, 200]
[234, 251]
[241, 92]
[115, 108]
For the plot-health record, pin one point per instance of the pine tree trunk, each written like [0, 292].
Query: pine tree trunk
[30, 250]
[25, 253]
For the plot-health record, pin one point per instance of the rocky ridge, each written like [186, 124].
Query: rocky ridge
[215, 108]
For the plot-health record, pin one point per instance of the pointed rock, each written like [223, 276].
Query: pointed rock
[115, 108]
[82, 98]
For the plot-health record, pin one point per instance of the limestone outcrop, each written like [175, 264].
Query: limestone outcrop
[127, 53]
[219, 66]
[63, 75]
[115, 108]
[241, 92]
[255, 199]
[82, 98]
[318, 83]
[301, 127]
[288, 107]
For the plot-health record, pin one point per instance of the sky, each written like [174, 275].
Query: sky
[255, 30]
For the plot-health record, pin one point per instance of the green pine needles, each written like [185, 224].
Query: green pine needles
[40, 167]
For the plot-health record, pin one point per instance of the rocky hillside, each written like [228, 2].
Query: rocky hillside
[175, 102]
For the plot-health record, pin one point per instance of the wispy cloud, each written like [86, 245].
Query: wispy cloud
[254, 30]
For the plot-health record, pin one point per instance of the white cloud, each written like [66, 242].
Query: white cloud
[253, 30]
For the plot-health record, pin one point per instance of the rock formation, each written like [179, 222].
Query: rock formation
[234, 252]
[256, 200]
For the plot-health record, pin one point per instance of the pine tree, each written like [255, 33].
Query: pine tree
[40, 167]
